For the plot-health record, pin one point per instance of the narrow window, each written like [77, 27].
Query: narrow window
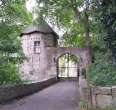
[36, 46]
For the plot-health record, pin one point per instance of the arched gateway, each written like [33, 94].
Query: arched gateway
[40, 46]
[55, 52]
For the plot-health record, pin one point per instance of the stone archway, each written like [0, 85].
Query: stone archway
[53, 54]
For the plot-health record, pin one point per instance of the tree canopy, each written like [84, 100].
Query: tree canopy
[13, 17]
[89, 23]
[103, 71]
[71, 14]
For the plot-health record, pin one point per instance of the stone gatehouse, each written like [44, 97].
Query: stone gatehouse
[40, 46]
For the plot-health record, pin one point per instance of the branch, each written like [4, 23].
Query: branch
[77, 13]
[74, 6]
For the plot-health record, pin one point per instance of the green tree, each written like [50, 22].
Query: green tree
[103, 70]
[13, 17]
[105, 16]
[72, 14]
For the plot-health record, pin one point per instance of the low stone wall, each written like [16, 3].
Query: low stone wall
[103, 96]
[14, 91]
[97, 96]
[85, 96]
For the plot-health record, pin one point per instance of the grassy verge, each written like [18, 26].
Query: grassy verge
[108, 108]
[85, 106]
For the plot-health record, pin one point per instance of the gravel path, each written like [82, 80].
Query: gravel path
[60, 96]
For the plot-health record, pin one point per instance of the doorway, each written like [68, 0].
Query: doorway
[68, 66]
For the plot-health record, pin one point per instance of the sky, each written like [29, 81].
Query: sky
[30, 4]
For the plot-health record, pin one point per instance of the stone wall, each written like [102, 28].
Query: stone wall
[85, 96]
[35, 67]
[53, 54]
[14, 91]
[103, 96]
[97, 96]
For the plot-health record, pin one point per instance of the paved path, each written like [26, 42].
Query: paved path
[60, 96]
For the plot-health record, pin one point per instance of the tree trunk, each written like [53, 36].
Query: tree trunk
[87, 35]
[86, 25]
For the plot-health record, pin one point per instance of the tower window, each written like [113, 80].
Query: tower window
[36, 46]
[36, 43]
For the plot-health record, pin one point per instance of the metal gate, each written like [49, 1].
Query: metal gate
[68, 67]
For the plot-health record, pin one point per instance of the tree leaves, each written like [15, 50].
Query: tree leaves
[13, 17]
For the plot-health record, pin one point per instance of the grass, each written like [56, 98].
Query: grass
[108, 108]
[84, 106]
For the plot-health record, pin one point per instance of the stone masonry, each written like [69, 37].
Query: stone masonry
[103, 96]
[40, 46]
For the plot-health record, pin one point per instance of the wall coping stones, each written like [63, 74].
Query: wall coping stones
[103, 96]
[10, 92]
[102, 90]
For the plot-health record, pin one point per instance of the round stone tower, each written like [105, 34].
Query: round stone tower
[35, 40]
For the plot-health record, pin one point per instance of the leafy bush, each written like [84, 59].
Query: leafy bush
[102, 72]
[9, 74]
[13, 17]
[108, 108]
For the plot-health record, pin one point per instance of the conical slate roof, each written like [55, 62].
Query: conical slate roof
[45, 29]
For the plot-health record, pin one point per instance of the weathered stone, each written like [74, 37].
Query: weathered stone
[94, 100]
[114, 100]
[103, 96]
[41, 48]
[102, 90]
[11, 92]
[104, 100]
[114, 90]
[114, 95]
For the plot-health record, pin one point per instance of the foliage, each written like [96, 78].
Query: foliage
[106, 17]
[9, 74]
[83, 104]
[66, 14]
[107, 108]
[102, 72]
[72, 40]
[13, 17]
[97, 19]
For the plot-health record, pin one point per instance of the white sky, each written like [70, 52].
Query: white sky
[0, 2]
[30, 4]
